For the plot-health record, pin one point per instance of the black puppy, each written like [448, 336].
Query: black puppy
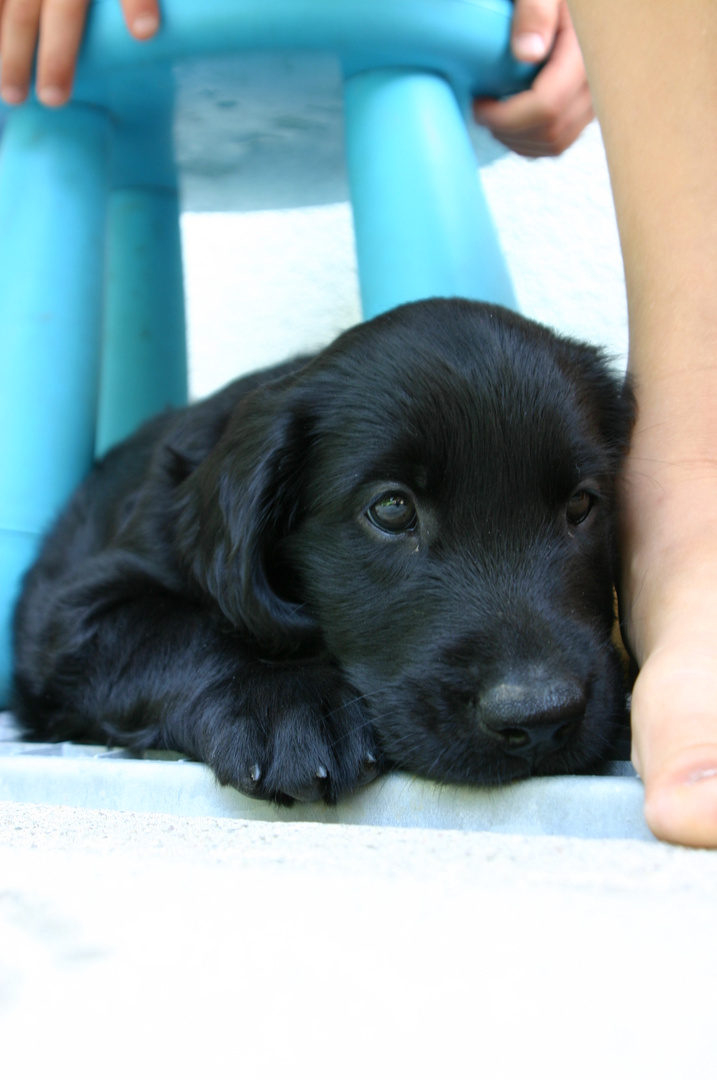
[397, 553]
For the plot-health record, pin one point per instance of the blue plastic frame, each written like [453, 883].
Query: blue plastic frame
[90, 260]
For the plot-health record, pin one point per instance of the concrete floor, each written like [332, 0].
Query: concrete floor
[139, 944]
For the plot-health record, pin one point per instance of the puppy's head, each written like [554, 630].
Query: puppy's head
[431, 501]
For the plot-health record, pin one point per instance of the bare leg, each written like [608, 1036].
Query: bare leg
[652, 73]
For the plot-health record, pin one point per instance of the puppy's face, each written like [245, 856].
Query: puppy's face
[446, 475]
[457, 542]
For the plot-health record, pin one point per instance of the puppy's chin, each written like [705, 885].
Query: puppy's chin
[433, 729]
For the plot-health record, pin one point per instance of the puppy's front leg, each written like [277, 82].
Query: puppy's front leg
[287, 730]
[158, 671]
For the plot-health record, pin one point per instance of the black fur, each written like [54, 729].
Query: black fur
[223, 584]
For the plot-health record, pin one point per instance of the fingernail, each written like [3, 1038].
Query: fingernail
[529, 47]
[145, 25]
[12, 95]
[52, 96]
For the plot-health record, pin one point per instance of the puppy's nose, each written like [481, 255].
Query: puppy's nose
[532, 718]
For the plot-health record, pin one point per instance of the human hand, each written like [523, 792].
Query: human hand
[547, 118]
[55, 27]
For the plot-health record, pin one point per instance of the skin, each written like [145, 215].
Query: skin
[547, 118]
[652, 73]
[55, 28]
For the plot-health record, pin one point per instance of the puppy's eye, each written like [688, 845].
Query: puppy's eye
[393, 512]
[579, 506]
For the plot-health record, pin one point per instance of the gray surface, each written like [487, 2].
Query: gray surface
[267, 132]
[153, 945]
[86, 776]
[260, 132]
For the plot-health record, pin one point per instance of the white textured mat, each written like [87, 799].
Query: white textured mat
[150, 946]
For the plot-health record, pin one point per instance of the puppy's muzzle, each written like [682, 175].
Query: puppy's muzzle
[532, 717]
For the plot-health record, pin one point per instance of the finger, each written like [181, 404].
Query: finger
[560, 81]
[564, 75]
[535, 23]
[549, 116]
[19, 25]
[142, 17]
[61, 25]
[520, 113]
[550, 137]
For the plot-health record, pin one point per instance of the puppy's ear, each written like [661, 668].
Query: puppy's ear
[628, 412]
[604, 394]
[237, 505]
[616, 407]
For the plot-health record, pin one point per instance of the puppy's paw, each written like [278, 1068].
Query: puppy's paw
[299, 734]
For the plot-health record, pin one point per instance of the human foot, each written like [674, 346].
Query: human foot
[674, 725]
[670, 618]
